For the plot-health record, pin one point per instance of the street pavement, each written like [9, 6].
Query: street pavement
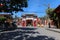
[54, 29]
[30, 34]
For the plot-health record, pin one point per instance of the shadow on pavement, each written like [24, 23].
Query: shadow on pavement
[28, 28]
[22, 36]
[40, 38]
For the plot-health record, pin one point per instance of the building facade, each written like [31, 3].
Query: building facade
[57, 12]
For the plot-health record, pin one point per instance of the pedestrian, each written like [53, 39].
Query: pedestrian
[49, 24]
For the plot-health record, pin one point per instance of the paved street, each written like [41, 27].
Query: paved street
[29, 34]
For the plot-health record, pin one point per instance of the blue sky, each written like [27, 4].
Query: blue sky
[39, 7]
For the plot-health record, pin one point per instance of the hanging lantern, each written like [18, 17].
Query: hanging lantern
[1, 4]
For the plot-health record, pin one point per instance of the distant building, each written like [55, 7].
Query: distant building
[29, 20]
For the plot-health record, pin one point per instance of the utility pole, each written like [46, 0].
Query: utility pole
[48, 7]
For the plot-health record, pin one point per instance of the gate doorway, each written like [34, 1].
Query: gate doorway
[29, 23]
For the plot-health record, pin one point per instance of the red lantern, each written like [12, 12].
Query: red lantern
[1, 4]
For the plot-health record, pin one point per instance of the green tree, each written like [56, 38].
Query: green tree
[53, 16]
[12, 5]
[2, 19]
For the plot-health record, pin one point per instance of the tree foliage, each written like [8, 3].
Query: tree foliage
[12, 5]
[2, 18]
[51, 14]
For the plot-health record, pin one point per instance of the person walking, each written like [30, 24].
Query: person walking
[49, 24]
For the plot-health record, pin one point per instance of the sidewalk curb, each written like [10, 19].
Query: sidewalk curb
[53, 30]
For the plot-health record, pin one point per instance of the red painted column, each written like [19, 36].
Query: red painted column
[24, 23]
[35, 23]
